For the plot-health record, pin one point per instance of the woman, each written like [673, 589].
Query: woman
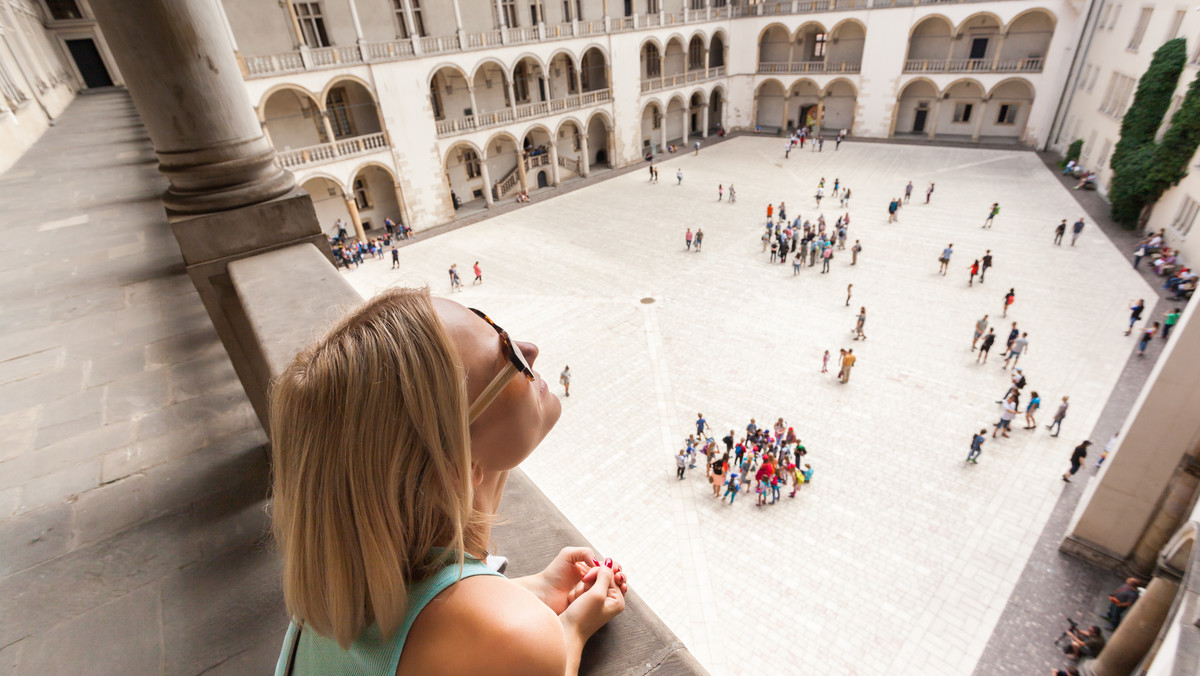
[718, 474]
[974, 271]
[1008, 301]
[1035, 402]
[1147, 336]
[377, 516]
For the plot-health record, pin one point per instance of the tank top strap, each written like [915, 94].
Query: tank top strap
[306, 652]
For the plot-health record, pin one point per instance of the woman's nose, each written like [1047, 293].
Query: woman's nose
[529, 350]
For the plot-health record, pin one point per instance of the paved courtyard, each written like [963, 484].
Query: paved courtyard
[899, 558]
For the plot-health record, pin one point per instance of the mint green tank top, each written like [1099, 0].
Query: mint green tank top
[371, 653]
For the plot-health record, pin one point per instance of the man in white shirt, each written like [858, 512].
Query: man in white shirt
[1006, 417]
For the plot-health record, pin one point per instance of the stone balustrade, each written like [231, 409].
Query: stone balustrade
[462, 125]
[328, 152]
[809, 67]
[1032, 64]
[680, 79]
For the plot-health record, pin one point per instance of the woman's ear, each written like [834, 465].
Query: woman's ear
[476, 474]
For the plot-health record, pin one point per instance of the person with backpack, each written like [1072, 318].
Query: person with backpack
[732, 485]
[992, 214]
[1147, 336]
[1008, 300]
[1135, 313]
[854, 251]
[976, 447]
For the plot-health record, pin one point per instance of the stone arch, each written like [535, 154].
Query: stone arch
[448, 90]
[969, 82]
[594, 75]
[846, 42]
[351, 108]
[500, 136]
[373, 186]
[841, 100]
[491, 85]
[1027, 40]
[1013, 81]
[995, 20]
[568, 119]
[650, 40]
[803, 98]
[489, 60]
[1033, 10]
[282, 86]
[329, 203]
[561, 51]
[1008, 105]
[812, 24]
[769, 99]
[674, 56]
[653, 125]
[1178, 551]
[914, 111]
[716, 108]
[373, 163]
[450, 66]
[293, 118]
[716, 49]
[930, 20]
[341, 185]
[502, 155]
[676, 118]
[696, 46]
[763, 32]
[651, 58]
[810, 42]
[774, 44]
[463, 173]
[599, 139]
[342, 78]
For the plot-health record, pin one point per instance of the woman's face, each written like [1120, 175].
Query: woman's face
[521, 416]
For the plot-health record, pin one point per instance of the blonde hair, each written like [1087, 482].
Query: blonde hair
[372, 465]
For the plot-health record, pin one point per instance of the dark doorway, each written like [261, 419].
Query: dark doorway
[802, 120]
[542, 182]
[601, 156]
[978, 48]
[919, 120]
[90, 65]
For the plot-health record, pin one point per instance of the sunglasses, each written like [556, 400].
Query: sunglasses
[516, 364]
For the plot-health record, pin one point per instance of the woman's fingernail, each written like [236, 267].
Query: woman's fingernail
[608, 562]
[595, 561]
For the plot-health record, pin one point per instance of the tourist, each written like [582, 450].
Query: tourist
[837, 182]
[364, 549]
[858, 326]
[720, 192]
[1018, 384]
[944, 261]
[847, 364]
[928, 193]
[651, 168]
[849, 291]
[991, 214]
[976, 447]
[986, 346]
[892, 207]
[701, 425]
[1138, 252]
[455, 282]
[1012, 336]
[1014, 351]
[1120, 601]
[732, 194]
[1006, 418]
[564, 379]
[1058, 232]
[395, 257]
[1147, 336]
[825, 362]
[679, 177]
[985, 263]
[1008, 300]
[980, 327]
[826, 256]
[1077, 457]
[974, 271]
[1108, 448]
[1076, 230]
[797, 263]
[687, 239]
[1061, 413]
[854, 251]
[717, 473]
[774, 249]
[697, 147]
[699, 238]
[1135, 313]
[770, 212]
[1170, 321]
[908, 192]
[1035, 402]
[732, 483]
[680, 463]
[820, 195]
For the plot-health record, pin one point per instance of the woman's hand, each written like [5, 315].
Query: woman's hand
[563, 580]
[600, 601]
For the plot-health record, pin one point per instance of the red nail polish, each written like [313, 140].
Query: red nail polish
[596, 561]
[608, 562]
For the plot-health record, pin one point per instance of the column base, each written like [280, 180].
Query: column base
[1094, 554]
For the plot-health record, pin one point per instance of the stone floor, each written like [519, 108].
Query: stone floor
[132, 468]
[899, 558]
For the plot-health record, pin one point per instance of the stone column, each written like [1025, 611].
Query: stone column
[553, 163]
[978, 126]
[297, 34]
[662, 134]
[458, 29]
[584, 155]
[352, 207]
[487, 181]
[358, 32]
[704, 121]
[786, 105]
[330, 137]
[610, 146]
[471, 93]
[706, 59]
[1137, 632]
[404, 216]
[228, 198]
[685, 112]
[578, 77]
[935, 113]
[512, 95]
[521, 170]
[999, 50]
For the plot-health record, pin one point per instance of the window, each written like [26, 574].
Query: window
[1100, 162]
[656, 122]
[418, 19]
[360, 194]
[1083, 77]
[1186, 216]
[653, 7]
[1008, 113]
[508, 11]
[695, 55]
[819, 45]
[338, 110]
[62, 10]
[696, 4]
[1095, 76]
[1090, 145]
[1104, 17]
[312, 24]
[1176, 24]
[566, 10]
[653, 62]
[1140, 29]
[470, 160]
[1112, 22]
[1116, 96]
[962, 112]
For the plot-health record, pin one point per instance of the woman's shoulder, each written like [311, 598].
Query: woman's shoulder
[485, 623]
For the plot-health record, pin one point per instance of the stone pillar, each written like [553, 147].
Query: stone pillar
[1176, 506]
[787, 100]
[610, 146]
[1137, 632]
[458, 29]
[404, 217]
[521, 170]
[553, 163]
[358, 32]
[487, 182]
[685, 113]
[330, 137]
[706, 58]
[228, 198]
[512, 95]
[471, 93]
[978, 126]
[1159, 433]
[999, 50]
[704, 121]
[935, 113]
[584, 155]
[297, 34]
[578, 77]
[352, 207]
[662, 134]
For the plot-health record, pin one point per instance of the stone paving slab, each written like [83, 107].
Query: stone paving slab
[898, 559]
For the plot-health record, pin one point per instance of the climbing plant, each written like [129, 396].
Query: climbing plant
[1074, 150]
[1172, 156]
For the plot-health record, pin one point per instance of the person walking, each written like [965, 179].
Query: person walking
[717, 473]
[774, 250]
[985, 263]
[1077, 457]
[699, 238]
[1076, 229]
[928, 193]
[908, 192]
[976, 447]
[974, 271]
[1058, 232]
[1147, 336]
[797, 263]
[651, 169]
[944, 261]
[655, 170]
[687, 239]
[825, 362]
[564, 379]
[732, 194]
[1006, 418]
[986, 347]
[826, 256]
[1012, 335]
[395, 257]
[1135, 313]
[1015, 350]
[678, 177]
[1008, 300]
[720, 192]
[847, 364]
[770, 212]
[455, 282]
[854, 250]
[849, 291]
[858, 327]
[1035, 402]
[892, 207]
[820, 195]
[697, 148]
[1061, 413]
[701, 425]
[478, 274]
[980, 327]
[1170, 321]
[680, 464]
[732, 484]
[992, 214]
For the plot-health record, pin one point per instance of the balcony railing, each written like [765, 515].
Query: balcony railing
[328, 152]
[810, 67]
[669, 81]
[1022, 65]
[462, 125]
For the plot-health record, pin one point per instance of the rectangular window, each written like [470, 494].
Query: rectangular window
[63, 9]
[418, 18]
[312, 24]
[339, 113]
[1104, 17]
[1176, 24]
[1100, 162]
[407, 31]
[819, 45]
[1008, 113]
[1083, 77]
[657, 119]
[1095, 76]
[1186, 216]
[1112, 21]
[653, 7]
[360, 194]
[1139, 30]
[566, 11]
[962, 112]
[508, 11]
[471, 160]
